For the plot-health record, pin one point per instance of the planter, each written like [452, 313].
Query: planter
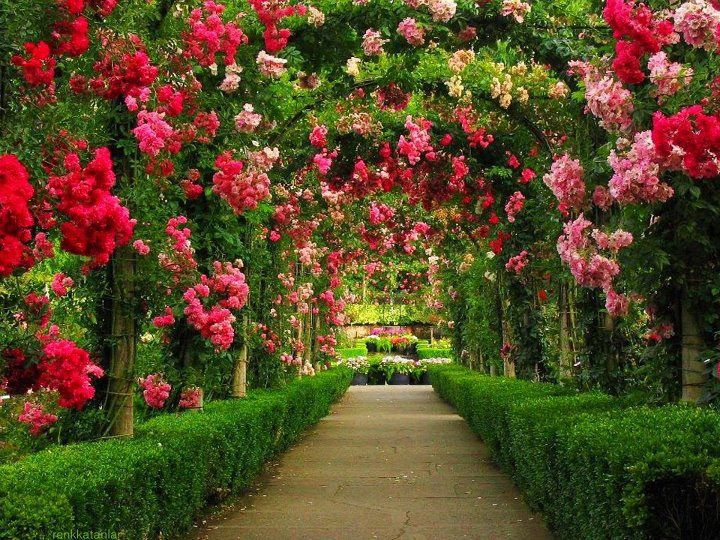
[371, 346]
[425, 378]
[359, 379]
[400, 378]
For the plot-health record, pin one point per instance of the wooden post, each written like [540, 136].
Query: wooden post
[123, 340]
[693, 369]
[239, 380]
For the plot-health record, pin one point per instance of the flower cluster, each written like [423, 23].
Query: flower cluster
[38, 66]
[155, 390]
[409, 29]
[270, 66]
[417, 142]
[565, 180]
[688, 141]
[190, 398]
[638, 33]
[588, 266]
[15, 217]
[96, 223]
[61, 284]
[442, 10]
[607, 99]
[153, 133]
[668, 77]
[515, 203]
[373, 42]
[636, 174]
[517, 262]
[67, 369]
[242, 188]
[515, 8]
[698, 21]
[216, 322]
[270, 13]
[123, 69]
[209, 35]
[247, 121]
[181, 259]
[36, 418]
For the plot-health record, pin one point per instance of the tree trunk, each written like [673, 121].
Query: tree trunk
[693, 369]
[239, 380]
[123, 341]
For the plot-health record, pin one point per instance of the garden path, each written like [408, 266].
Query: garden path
[389, 462]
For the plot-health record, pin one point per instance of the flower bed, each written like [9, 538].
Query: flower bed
[592, 462]
[391, 339]
[156, 483]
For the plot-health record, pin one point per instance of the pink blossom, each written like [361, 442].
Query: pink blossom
[409, 29]
[668, 77]
[270, 66]
[168, 319]
[190, 397]
[61, 283]
[152, 132]
[515, 8]
[37, 419]
[141, 247]
[617, 304]
[442, 10]
[636, 177]
[155, 390]
[515, 203]
[318, 136]
[248, 120]
[697, 21]
[518, 262]
[373, 42]
[565, 180]
[607, 99]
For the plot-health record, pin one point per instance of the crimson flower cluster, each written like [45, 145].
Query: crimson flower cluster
[95, 222]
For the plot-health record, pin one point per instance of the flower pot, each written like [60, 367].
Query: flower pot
[425, 378]
[399, 378]
[359, 379]
[371, 346]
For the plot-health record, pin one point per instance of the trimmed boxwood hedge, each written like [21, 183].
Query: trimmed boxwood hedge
[596, 466]
[176, 464]
[352, 352]
[430, 352]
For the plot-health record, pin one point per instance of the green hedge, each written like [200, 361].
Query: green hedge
[595, 465]
[429, 352]
[352, 352]
[156, 482]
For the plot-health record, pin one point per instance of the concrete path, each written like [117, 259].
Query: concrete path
[390, 462]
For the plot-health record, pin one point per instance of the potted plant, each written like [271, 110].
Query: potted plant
[397, 369]
[376, 374]
[360, 367]
[371, 342]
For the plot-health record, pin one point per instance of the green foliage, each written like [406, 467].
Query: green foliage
[595, 465]
[155, 483]
[351, 352]
[432, 352]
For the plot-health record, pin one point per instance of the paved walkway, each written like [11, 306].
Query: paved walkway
[390, 462]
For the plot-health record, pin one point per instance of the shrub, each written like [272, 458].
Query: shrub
[155, 483]
[432, 352]
[597, 466]
[351, 352]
